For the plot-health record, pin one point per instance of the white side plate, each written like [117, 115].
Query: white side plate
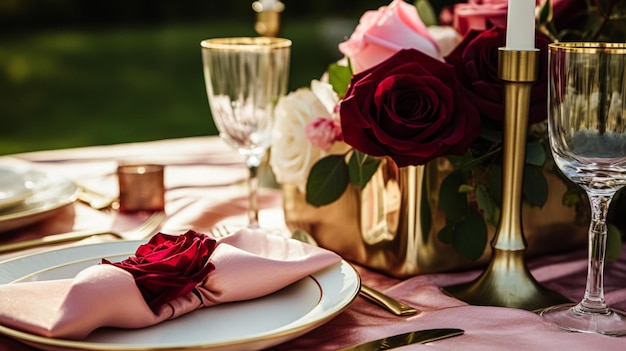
[47, 193]
[14, 186]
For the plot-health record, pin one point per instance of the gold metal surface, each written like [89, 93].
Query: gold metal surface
[267, 17]
[98, 201]
[396, 307]
[384, 227]
[415, 337]
[507, 281]
[142, 231]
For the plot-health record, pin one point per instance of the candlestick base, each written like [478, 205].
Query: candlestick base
[506, 282]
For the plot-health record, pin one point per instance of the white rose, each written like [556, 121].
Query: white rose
[292, 155]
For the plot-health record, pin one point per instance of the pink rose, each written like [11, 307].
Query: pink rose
[382, 33]
[323, 132]
[479, 15]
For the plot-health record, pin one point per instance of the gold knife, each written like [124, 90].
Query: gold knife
[415, 337]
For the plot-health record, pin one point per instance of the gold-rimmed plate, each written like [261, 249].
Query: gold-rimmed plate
[46, 194]
[248, 325]
[15, 186]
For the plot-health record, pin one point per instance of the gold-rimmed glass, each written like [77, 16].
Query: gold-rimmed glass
[587, 132]
[244, 79]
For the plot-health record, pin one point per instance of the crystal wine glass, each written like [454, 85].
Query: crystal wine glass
[244, 79]
[587, 132]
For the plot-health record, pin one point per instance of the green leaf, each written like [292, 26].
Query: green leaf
[361, 168]
[485, 203]
[426, 13]
[446, 234]
[473, 162]
[327, 180]
[494, 182]
[571, 198]
[470, 236]
[492, 135]
[535, 154]
[452, 202]
[459, 161]
[535, 187]
[466, 188]
[545, 13]
[613, 243]
[339, 77]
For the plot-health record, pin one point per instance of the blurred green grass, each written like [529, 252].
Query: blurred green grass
[82, 87]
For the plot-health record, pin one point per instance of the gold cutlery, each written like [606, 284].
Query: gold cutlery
[144, 230]
[414, 337]
[97, 200]
[392, 305]
[389, 303]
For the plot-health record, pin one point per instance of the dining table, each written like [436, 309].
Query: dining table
[205, 182]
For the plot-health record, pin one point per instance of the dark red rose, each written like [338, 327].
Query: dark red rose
[410, 107]
[476, 62]
[169, 266]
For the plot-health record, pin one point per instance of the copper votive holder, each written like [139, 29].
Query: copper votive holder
[141, 188]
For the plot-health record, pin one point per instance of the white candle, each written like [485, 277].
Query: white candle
[520, 25]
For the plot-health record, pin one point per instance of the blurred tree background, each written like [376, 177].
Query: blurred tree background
[78, 73]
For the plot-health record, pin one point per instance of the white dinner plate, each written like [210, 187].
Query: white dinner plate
[248, 325]
[15, 186]
[48, 193]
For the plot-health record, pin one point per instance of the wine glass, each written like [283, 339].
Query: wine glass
[587, 132]
[244, 79]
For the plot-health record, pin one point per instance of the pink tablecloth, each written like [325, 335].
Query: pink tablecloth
[204, 181]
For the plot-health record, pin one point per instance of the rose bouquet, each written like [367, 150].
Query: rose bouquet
[414, 88]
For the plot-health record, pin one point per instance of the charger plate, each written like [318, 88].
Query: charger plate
[248, 325]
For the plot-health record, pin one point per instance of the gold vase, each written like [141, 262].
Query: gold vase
[380, 226]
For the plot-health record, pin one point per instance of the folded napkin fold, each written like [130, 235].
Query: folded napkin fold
[245, 265]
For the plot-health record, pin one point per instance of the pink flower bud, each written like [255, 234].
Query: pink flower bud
[323, 132]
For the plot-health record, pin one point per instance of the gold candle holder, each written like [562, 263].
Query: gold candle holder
[506, 281]
[267, 17]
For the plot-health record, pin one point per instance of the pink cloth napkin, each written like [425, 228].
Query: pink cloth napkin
[247, 265]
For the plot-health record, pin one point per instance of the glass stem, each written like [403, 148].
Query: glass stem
[594, 292]
[253, 188]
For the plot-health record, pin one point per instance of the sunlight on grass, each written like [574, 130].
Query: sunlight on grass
[78, 88]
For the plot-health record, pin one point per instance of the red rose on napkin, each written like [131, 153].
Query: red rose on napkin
[411, 108]
[169, 266]
[476, 62]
